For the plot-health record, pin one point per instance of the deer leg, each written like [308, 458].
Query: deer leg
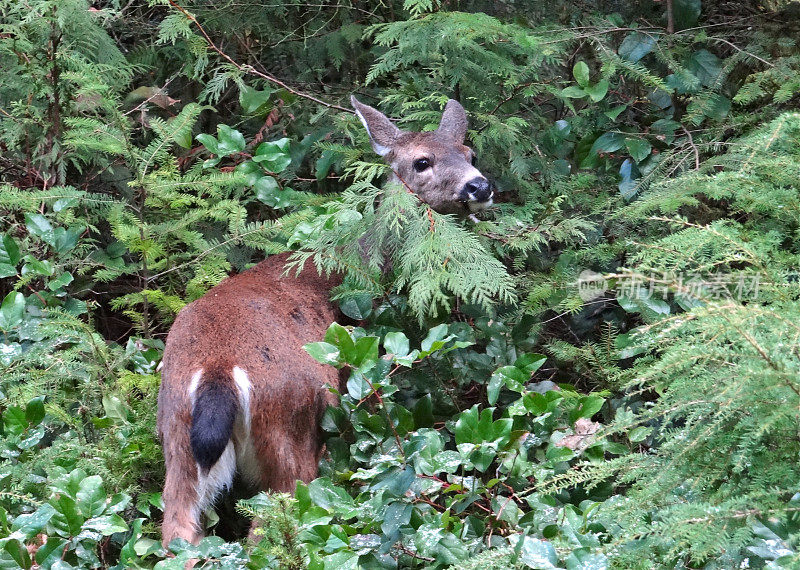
[188, 490]
[181, 503]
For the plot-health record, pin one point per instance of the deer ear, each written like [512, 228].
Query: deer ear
[382, 133]
[454, 121]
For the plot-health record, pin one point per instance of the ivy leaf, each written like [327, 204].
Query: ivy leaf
[254, 101]
[210, 142]
[639, 148]
[396, 343]
[269, 193]
[597, 91]
[686, 13]
[40, 227]
[534, 552]
[573, 92]
[581, 73]
[231, 141]
[323, 352]
[9, 252]
[12, 310]
[635, 46]
[274, 156]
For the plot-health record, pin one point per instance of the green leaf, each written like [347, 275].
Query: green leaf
[18, 553]
[12, 310]
[581, 73]
[50, 551]
[268, 192]
[615, 112]
[67, 520]
[509, 376]
[91, 496]
[608, 142]
[365, 351]
[7, 270]
[324, 163]
[37, 266]
[61, 281]
[686, 13]
[597, 91]
[27, 526]
[358, 307]
[397, 514]
[339, 337]
[530, 362]
[254, 101]
[40, 227]
[274, 156]
[636, 45]
[436, 334]
[638, 434]
[396, 343]
[573, 92]
[231, 141]
[34, 411]
[639, 148]
[14, 420]
[323, 352]
[589, 406]
[210, 142]
[9, 251]
[106, 525]
[534, 552]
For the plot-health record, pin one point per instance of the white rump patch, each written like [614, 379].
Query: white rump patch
[195, 381]
[245, 451]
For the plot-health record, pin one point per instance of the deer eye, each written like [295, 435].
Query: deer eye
[422, 164]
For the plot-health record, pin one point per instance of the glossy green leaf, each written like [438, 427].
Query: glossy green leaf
[9, 251]
[396, 343]
[636, 45]
[255, 101]
[581, 73]
[597, 91]
[639, 148]
[323, 352]
[12, 310]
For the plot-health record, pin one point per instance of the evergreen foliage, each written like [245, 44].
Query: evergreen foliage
[599, 372]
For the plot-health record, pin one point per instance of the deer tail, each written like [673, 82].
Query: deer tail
[215, 408]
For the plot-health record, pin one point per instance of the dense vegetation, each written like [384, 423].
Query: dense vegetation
[602, 372]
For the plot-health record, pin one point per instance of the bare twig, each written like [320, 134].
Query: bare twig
[250, 69]
[694, 148]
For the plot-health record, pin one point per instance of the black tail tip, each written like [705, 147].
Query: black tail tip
[213, 415]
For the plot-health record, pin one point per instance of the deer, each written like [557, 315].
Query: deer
[238, 393]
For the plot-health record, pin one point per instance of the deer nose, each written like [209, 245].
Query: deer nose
[477, 190]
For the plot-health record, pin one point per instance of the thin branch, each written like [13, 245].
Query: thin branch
[250, 69]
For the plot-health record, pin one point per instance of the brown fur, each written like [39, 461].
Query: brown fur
[258, 322]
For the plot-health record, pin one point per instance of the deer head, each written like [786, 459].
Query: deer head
[435, 165]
